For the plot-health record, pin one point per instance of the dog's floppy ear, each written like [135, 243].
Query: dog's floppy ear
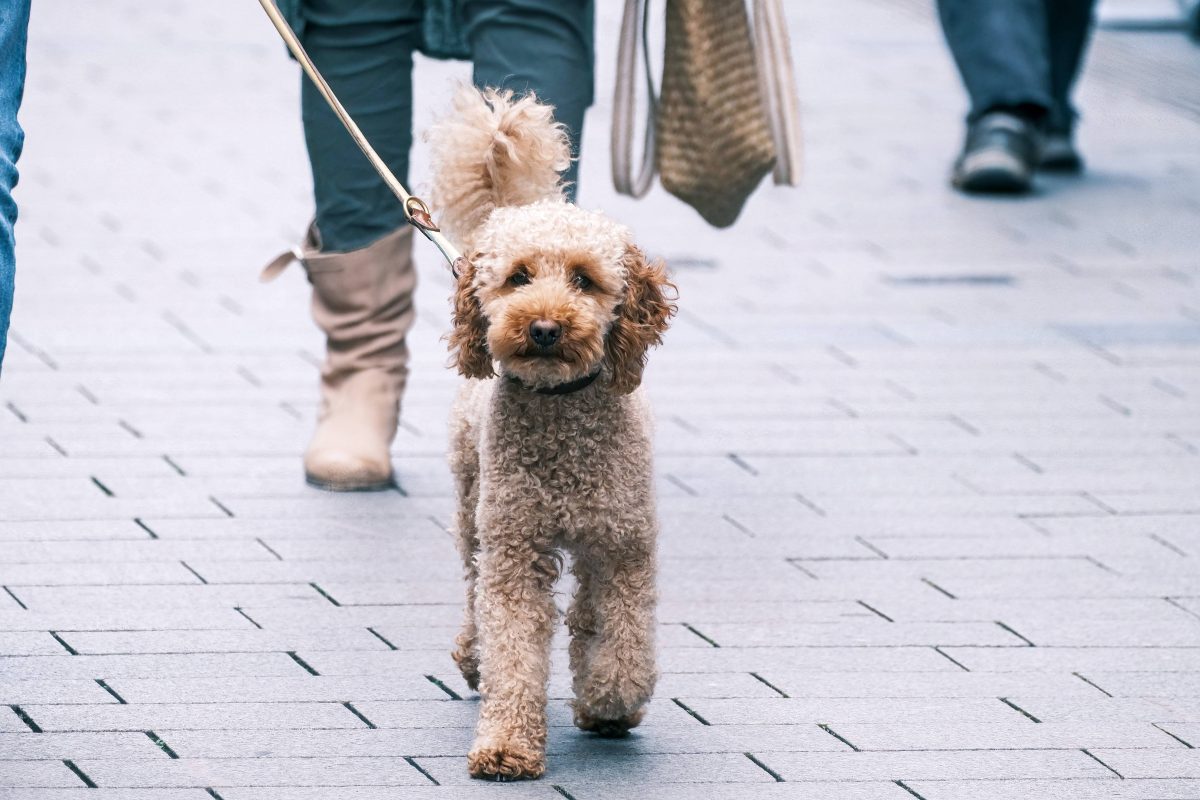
[468, 339]
[641, 319]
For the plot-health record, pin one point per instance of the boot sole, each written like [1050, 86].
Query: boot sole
[373, 486]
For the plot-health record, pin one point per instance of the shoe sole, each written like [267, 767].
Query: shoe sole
[374, 486]
[993, 173]
[1067, 164]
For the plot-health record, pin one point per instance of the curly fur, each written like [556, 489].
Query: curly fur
[536, 473]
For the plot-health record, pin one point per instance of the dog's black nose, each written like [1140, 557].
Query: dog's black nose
[544, 332]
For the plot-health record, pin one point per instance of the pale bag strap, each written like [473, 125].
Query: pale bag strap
[633, 33]
[778, 79]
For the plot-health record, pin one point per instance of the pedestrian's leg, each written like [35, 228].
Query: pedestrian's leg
[359, 253]
[364, 49]
[540, 46]
[14, 27]
[1069, 26]
[1000, 47]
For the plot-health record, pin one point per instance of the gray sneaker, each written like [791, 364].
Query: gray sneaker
[1058, 153]
[998, 157]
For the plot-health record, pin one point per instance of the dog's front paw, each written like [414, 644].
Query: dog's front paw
[505, 762]
[614, 728]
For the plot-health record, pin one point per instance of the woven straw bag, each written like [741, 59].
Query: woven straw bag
[727, 114]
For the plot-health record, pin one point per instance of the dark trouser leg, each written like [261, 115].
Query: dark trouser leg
[14, 26]
[540, 46]
[1069, 25]
[364, 49]
[1000, 47]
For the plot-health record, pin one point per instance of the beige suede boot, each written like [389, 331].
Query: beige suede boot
[362, 300]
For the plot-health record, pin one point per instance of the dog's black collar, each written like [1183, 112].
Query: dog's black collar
[570, 387]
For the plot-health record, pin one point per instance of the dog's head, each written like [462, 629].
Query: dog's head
[553, 293]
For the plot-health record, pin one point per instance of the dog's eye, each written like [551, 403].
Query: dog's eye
[519, 278]
[582, 281]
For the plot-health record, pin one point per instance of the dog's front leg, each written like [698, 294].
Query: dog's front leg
[615, 671]
[514, 609]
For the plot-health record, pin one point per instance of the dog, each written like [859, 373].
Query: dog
[550, 436]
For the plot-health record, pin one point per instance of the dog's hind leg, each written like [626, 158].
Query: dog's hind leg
[614, 671]
[464, 464]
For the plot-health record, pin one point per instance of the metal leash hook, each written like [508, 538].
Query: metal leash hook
[416, 211]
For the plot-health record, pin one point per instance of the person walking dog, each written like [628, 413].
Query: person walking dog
[14, 31]
[358, 251]
[1019, 60]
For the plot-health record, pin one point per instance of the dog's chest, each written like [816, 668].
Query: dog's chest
[568, 453]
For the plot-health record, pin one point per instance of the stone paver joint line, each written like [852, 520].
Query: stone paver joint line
[267, 547]
[141, 524]
[249, 618]
[1171, 600]
[1154, 537]
[13, 595]
[690, 711]
[838, 736]
[909, 789]
[100, 682]
[562, 791]
[1092, 756]
[382, 638]
[758, 763]
[441, 685]
[223, 508]
[88, 782]
[64, 644]
[874, 610]
[951, 659]
[1092, 684]
[937, 588]
[188, 567]
[61, 450]
[1018, 709]
[768, 684]
[132, 431]
[1027, 642]
[871, 547]
[154, 737]
[325, 594]
[701, 635]
[171, 463]
[413, 763]
[1182, 741]
[810, 505]
[303, 664]
[741, 464]
[350, 707]
[16, 412]
[213, 793]
[24, 717]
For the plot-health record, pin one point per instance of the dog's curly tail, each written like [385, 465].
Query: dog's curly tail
[493, 150]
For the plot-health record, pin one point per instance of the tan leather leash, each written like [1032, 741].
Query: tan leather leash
[416, 211]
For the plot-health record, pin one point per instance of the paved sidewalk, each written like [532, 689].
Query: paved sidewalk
[929, 467]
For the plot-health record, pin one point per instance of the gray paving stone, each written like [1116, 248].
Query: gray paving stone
[938, 765]
[217, 773]
[1063, 789]
[29, 746]
[193, 716]
[1019, 734]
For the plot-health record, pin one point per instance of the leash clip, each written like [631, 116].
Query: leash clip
[419, 215]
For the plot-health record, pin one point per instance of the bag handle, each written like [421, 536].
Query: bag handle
[633, 27]
[777, 78]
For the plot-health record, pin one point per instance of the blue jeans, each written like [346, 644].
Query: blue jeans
[14, 28]
[1019, 53]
